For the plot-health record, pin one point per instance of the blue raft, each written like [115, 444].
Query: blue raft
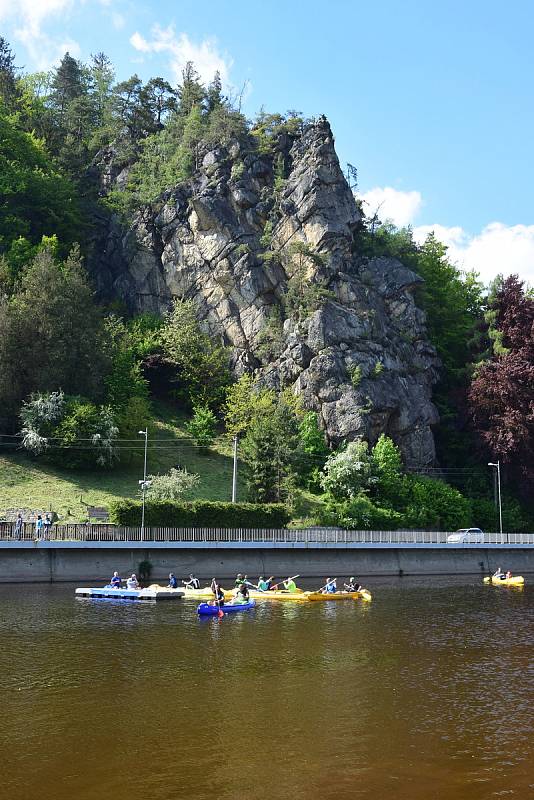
[206, 610]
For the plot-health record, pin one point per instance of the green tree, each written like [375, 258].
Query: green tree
[35, 199]
[349, 471]
[434, 504]
[202, 426]
[201, 364]
[70, 431]
[191, 91]
[8, 76]
[312, 450]
[269, 448]
[51, 334]
[245, 401]
[390, 488]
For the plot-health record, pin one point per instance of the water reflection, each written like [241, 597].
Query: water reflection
[425, 692]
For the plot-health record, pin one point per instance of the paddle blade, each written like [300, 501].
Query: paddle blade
[220, 613]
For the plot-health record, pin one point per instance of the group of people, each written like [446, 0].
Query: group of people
[42, 526]
[330, 586]
[131, 582]
[502, 575]
[241, 592]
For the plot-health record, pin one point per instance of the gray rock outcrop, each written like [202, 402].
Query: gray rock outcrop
[242, 246]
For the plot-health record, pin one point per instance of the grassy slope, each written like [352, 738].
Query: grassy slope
[25, 483]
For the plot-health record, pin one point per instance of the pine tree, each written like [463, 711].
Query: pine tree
[190, 92]
[214, 97]
[8, 87]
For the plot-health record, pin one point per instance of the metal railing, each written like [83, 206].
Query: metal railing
[289, 536]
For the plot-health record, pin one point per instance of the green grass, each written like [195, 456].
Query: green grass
[26, 483]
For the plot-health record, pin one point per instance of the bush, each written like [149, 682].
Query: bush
[174, 485]
[200, 514]
[362, 514]
[202, 426]
[435, 504]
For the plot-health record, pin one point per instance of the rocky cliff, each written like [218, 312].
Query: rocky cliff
[248, 236]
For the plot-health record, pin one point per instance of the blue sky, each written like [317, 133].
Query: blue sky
[433, 102]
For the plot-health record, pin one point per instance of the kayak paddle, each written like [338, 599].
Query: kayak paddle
[283, 581]
[220, 612]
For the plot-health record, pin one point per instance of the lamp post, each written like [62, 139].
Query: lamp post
[498, 468]
[145, 434]
[234, 474]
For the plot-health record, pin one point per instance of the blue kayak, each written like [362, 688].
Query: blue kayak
[206, 610]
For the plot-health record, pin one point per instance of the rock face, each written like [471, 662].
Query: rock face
[241, 244]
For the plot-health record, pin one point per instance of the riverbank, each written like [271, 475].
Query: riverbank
[29, 562]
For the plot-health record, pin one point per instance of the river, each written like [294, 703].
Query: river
[427, 692]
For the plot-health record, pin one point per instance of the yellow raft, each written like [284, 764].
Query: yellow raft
[363, 594]
[516, 580]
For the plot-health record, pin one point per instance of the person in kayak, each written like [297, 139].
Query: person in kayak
[218, 593]
[242, 595]
[352, 585]
[173, 583]
[330, 586]
[290, 585]
[192, 583]
[132, 582]
[116, 580]
[499, 574]
[238, 580]
[264, 585]
[508, 574]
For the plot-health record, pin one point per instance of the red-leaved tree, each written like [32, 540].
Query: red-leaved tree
[501, 396]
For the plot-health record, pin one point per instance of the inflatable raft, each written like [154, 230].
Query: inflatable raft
[516, 580]
[110, 592]
[207, 610]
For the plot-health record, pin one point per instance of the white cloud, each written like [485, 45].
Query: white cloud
[205, 55]
[391, 204]
[28, 17]
[498, 248]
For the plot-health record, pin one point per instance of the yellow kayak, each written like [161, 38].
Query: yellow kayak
[516, 580]
[278, 595]
[363, 594]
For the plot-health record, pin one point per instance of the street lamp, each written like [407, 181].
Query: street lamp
[498, 468]
[145, 434]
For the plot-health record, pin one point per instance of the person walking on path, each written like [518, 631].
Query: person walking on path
[18, 527]
[46, 526]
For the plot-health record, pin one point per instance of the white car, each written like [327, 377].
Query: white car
[466, 536]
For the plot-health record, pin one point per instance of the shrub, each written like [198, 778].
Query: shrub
[355, 375]
[174, 485]
[349, 471]
[362, 514]
[435, 504]
[200, 513]
[202, 426]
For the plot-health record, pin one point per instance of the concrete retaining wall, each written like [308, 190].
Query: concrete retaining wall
[51, 563]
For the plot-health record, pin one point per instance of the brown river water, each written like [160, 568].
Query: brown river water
[427, 692]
